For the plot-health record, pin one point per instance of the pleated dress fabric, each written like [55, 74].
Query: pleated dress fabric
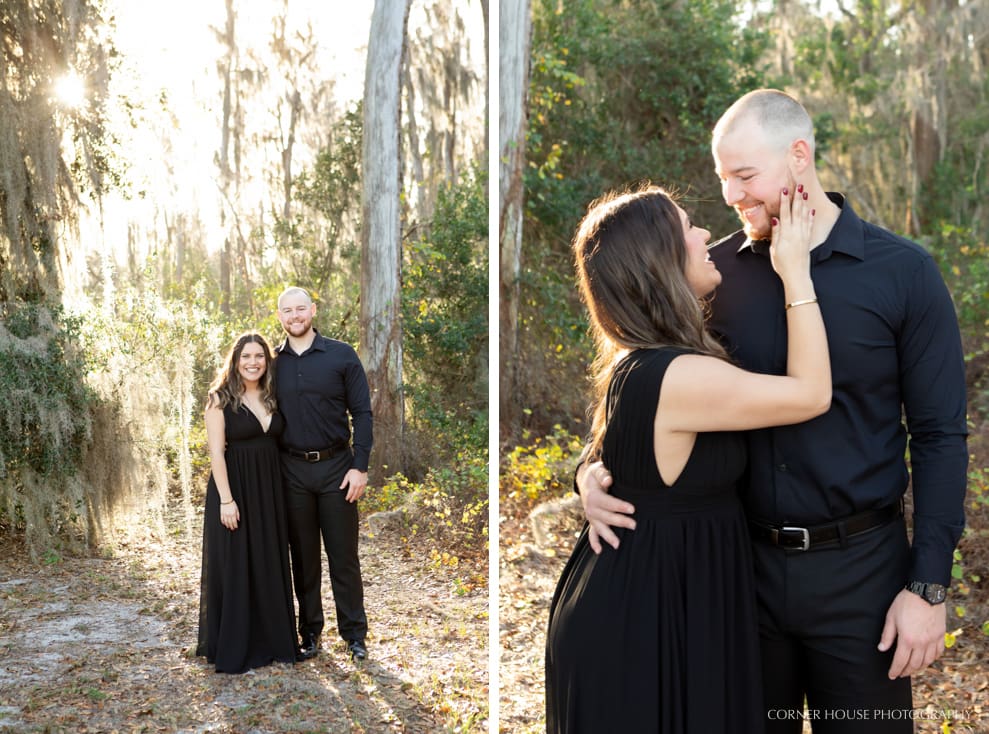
[246, 616]
[660, 635]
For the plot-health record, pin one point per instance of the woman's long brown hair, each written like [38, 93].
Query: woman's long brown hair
[631, 262]
[227, 387]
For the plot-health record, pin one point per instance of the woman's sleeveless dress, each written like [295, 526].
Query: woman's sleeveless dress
[660, 635]
[246, 614]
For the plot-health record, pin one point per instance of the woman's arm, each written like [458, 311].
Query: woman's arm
[703, 393]
[217, 443]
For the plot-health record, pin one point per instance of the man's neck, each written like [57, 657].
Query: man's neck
[299, 344]
[825, 216]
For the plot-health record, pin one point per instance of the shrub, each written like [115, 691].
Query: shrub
[540, 470]
[45, 423]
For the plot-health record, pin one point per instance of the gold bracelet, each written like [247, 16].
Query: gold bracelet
[800, 303]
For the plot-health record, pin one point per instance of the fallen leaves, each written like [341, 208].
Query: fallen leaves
[107, 645]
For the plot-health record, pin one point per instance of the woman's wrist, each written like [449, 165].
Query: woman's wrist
[799, 292]
[801, 302]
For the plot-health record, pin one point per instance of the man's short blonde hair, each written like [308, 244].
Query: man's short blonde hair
[294, 290]
[781, 118]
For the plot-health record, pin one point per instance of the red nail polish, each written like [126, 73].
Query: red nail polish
[805, 196]
[775, 221]
[813, 212]
[800, 188]
[785, 192]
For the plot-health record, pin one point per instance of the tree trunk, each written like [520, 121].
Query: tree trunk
[515, 31]
[295, 109]
[381, 253]
[934, 41]
[487, 75]
[415, 154]
[227, 68]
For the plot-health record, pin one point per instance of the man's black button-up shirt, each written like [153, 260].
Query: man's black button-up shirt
[317, 390]
[897, 369]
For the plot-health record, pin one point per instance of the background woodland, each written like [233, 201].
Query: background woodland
[151, 210]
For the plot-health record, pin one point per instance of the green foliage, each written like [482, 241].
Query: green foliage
[44, 421]
[978, 488]
[319, 248]
[448, 509]
[622, 93]
[45, 424]
[444, 313]
[879, 65]
[49, 151]
[619, 93]
[964, 260]
[541, 468]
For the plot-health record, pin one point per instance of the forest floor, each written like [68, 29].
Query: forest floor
[951, 696]
[107, 645]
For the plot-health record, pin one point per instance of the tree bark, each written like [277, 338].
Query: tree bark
[515, 37]
[295, 100]
[381, 253]
[227, 68]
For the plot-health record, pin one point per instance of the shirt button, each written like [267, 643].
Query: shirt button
[782, 467]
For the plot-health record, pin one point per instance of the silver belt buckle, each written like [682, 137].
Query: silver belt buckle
[805, 544]
[312, 456]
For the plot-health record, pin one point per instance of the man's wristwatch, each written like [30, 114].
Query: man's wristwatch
[931, 593]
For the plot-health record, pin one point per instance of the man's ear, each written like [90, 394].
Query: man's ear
[801, 157]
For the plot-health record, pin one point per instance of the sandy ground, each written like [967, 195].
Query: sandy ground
[106, 645]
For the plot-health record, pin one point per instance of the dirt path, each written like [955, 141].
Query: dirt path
[105, 645]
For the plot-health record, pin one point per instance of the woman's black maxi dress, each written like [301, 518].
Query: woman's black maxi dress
[246, 614]
[660, 635]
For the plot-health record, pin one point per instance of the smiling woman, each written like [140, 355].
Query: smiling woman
[246, 616]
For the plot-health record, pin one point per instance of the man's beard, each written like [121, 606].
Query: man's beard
[753, 232]
[295, 326]
[761, 231]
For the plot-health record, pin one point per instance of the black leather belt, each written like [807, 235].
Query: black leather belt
[797, 538]
[313, 456]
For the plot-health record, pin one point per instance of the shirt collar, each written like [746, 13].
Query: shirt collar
[846, 236]
[317, 343]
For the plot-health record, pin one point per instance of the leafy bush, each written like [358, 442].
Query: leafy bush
[45, 423]
[444, 317]
[619, 93]
[540, 470]
[447, 512]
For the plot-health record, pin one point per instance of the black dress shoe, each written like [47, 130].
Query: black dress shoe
[357, 649]
[309, 648]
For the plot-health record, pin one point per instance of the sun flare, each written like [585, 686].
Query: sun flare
[70, 90]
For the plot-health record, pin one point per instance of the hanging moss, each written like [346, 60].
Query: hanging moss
[45, 423]
[40, 180]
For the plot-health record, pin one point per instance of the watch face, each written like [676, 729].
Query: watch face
[931, 593]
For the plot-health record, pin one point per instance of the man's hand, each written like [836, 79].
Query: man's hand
[355, 481]
[918, 629]
[603, 511]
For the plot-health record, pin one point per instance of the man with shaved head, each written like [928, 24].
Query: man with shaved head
[322, 389]
[849, 607]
